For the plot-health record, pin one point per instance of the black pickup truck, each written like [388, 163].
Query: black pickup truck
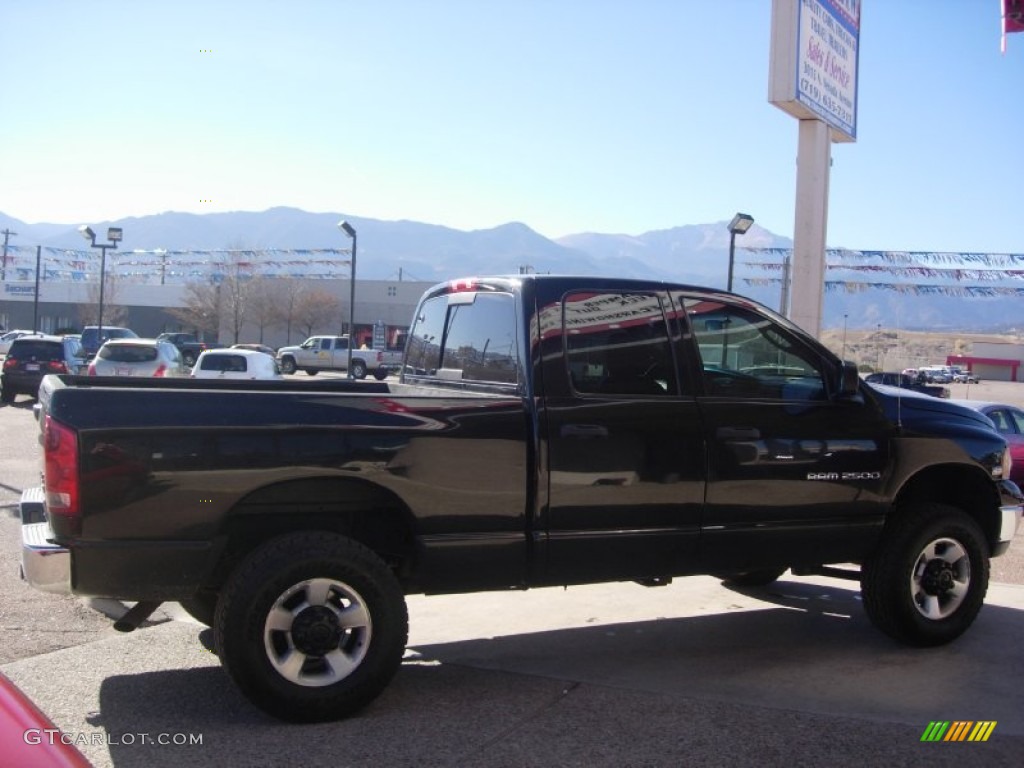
[543, 431]
[188, 345]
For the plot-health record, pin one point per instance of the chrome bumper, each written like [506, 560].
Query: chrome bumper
[44, 564]
[1009, 522]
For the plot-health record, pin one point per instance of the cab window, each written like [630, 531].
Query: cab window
[746, 354]
[618, 344]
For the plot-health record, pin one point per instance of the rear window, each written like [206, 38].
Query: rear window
[232, 363]
[40, 350]
[465, 337]
[127, 353]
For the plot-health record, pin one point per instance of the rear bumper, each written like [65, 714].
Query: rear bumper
[44, 564]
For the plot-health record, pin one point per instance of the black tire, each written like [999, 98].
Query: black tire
[380, 374]
[7, 395]
[927, 580]
[358, 369]
[202, 607]
[288, 365]
[760, 577]
[189, 359]
[311, 667]
[312, 371]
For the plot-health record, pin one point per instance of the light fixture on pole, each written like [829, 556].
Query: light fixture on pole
[739, 225]
[114, 236]
[349, 230]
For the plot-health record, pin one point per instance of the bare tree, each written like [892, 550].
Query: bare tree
[201, 308]
[288, 295]
[317, 309]
[262, 308]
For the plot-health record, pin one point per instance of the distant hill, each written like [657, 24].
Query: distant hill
[695, 253]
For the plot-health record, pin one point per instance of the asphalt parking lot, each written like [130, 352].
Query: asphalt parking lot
[693, 673]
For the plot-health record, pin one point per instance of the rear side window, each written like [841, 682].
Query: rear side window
[618, 344]
[40, 350]
[127, 353]
[465, 337]
[231, 363]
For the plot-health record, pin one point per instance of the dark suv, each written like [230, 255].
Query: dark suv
[32, 357]
[91, 341]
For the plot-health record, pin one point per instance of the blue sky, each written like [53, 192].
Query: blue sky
[567, 115]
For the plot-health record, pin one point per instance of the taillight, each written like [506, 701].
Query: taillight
[161, 370]
[380, 357]
[57, 366]
[60, 479]
[92, 369]
[10, 363]
[458, 286]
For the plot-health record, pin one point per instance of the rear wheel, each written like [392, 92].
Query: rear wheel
[358, 369]
[380, 374]
[311, 626]
[288, 365]
[7, 395]
[927, 581]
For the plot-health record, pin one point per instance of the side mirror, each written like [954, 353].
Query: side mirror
[849, 379]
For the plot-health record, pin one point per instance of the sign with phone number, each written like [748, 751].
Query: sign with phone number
[827, 61]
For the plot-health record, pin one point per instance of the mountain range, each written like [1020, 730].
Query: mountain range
[696, 253]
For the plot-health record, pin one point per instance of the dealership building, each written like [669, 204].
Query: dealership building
[383, 308]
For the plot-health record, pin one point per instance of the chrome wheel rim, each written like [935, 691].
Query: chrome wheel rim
[317, 632]
[941, 578]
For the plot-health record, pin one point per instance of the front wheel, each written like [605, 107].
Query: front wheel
[189, 359]
[927, 580]
[311, 626]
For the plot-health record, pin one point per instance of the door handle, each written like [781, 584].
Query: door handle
[586, 431]
[738, 433]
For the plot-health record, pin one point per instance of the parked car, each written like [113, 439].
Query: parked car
[91, 340]
[257, 348]
[29, 737]
[936, 374]
[32, 356]
[960, 376]
[330, 353]
[10, 336]
[235, 364]
[138, 357]
[1009, 421]
[905, 381]
[189, 346]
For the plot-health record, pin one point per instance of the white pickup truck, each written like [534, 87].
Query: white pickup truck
[330, 353]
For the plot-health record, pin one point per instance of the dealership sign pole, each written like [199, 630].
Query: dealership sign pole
[813, 77]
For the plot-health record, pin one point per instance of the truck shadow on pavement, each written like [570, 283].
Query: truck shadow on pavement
[809, 655]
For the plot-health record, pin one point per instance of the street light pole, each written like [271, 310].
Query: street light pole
[740, 223]
[114, 236]
[349, 230]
